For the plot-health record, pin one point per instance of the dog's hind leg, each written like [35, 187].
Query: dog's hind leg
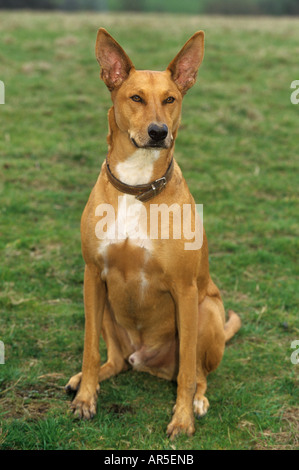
[118, 348]
[116, 363]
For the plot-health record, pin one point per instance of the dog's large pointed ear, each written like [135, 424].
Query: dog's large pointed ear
[114, 62]
[184, 66]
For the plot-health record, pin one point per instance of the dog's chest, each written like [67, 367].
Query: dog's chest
[127, 224]
[130, 263]
[131, 267]
[127, 251]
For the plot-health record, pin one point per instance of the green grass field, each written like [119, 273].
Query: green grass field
[238, 148]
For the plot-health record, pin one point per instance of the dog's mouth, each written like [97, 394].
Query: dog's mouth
[151, 144]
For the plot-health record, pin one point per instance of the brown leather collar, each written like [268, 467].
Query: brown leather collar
[143, 192]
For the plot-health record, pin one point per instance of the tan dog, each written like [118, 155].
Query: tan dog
[151, 297]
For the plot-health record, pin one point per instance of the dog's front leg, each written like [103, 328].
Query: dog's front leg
[84, 404]
[187, 323]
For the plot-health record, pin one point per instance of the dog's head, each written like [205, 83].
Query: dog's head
[147, 104]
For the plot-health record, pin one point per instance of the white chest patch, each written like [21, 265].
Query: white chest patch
[138, 168]
[129, 222]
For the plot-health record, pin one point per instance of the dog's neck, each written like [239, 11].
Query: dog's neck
[132, 165]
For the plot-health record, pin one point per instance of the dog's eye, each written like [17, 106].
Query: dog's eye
[136, 98]
[170, 99]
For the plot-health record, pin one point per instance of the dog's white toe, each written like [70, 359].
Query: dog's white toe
[200, 406]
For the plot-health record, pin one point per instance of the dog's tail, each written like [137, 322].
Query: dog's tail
[232, 325]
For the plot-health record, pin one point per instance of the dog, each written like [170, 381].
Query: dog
[151, 297]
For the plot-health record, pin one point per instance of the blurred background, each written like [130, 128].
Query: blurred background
[228, 7]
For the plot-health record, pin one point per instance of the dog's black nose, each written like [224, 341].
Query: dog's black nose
[157, 133]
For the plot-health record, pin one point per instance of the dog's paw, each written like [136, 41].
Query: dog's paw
[180, 424]
[73, 384]
[84, 406]
[200, 406]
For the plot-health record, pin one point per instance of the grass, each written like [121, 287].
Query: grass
[238, 148]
